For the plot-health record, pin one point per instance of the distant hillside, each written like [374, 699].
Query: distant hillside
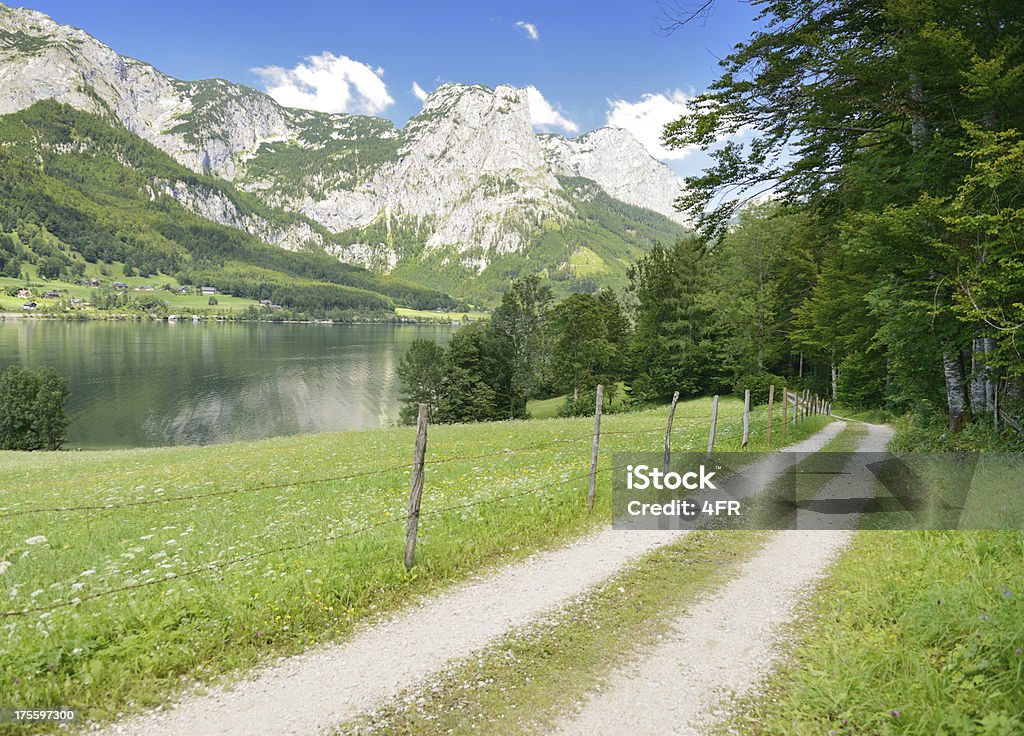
[79, 189]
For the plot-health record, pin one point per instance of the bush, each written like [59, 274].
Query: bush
[759, 385]
[32, 409]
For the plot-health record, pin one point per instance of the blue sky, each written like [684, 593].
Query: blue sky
[592, 63]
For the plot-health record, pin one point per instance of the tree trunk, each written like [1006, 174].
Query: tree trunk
[954, 373]
[977, 377]
[835, 380]
[982, 386]
[990, 380]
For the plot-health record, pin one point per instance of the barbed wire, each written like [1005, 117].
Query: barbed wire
[313, 481]
[216, 565]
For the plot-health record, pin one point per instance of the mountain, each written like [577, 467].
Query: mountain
[463, 197]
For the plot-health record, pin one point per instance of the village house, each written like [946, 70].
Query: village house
[25, 293]
[207, 291]
[51, 294]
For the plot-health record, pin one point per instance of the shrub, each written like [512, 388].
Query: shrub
[32, 409]
[759, 384]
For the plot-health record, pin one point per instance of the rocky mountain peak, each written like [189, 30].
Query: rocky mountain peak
[467, 175]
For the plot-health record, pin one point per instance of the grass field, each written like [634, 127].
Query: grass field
[426, 314]
[224, 579]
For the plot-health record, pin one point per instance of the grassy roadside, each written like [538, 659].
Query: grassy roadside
[289, 570]
[526, 682]
[912, 633]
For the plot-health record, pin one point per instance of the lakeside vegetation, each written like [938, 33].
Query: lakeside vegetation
[528, 492]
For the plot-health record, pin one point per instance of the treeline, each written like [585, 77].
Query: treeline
[531, 347]
[693, 318]
[92, 201]
[892, 136]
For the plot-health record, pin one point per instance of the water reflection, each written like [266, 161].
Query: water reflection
[146, 384]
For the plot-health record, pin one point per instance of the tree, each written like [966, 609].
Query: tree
[520, 320]
[466, 390]
[582, 356]
[32, 409]
[671, 322]
[421, 371]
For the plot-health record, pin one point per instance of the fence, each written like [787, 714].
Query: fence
[802, 405]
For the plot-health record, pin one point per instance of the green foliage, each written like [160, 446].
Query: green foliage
[672, 321]
[421, 372]
[582, 355]
[893, 129]
[32, 409]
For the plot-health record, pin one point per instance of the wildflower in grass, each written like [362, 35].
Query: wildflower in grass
[40, 539]
[895, 714]
[86, 573]
[984, 617]
[4, 565]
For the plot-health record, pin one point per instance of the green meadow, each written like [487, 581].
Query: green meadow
[233, 554]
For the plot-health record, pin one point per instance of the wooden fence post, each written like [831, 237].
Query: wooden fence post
[593, 449]
[416, 490]
[668, 430]
[785, 411]
[746, 418]
[771, 404]
[714, 425]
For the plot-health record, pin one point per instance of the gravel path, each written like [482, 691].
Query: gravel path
[724, 645]
[312, 692]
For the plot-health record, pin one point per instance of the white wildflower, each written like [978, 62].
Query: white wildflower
[40, 539]
[86, 573]
[4, 565]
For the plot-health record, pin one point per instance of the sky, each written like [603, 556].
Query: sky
[585, 64]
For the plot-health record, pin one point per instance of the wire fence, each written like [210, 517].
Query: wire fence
[420, 462]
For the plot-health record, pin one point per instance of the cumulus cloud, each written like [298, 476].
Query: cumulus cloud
[545, 116]
[418, 91]
[530, 28]
[646, 120]
[328, 83]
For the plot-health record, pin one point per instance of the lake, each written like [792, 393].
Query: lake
[143, 384]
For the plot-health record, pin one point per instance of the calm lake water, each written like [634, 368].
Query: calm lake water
[152, 383]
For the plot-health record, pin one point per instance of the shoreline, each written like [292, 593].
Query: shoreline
[128, 317]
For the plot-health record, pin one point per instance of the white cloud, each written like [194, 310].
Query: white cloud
[530, 28]
[418, 91]
[544, 116]
[646, 120]
[328, 83]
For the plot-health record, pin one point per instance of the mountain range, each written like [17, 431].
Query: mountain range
[463, 197]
